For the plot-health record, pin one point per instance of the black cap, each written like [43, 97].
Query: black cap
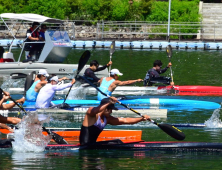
[35, 23]
[106, 100]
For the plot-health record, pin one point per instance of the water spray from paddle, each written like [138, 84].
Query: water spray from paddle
[214, 121]
[28, 137]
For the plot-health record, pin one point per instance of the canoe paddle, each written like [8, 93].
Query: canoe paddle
[170, 130]
[82, 62]
[111, 51]
[169, 54]
[57, 138]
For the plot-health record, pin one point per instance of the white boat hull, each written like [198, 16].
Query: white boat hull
[52, 68]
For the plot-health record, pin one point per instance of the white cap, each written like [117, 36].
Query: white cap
[43, 72]
[55, 78]
[115, 71]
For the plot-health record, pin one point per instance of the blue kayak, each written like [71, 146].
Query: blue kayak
[158, 102]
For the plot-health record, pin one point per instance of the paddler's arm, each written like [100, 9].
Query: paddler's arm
[123, 83]
[101, 108]
[4, 126]
[11, 120]
[120, 121]
[103, 67]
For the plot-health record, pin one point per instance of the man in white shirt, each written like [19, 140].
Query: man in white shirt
[47, 92]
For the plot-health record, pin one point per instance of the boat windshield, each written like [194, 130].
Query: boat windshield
[59, 36]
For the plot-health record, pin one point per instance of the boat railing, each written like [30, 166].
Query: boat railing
[97, 30]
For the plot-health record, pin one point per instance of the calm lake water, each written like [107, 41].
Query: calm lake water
[189, 68]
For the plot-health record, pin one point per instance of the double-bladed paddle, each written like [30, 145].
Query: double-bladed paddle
[112, 50]
[82, 62]
[169, 54]
[57, 138]
[170, 130]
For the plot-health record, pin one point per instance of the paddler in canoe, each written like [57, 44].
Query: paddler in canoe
[109, 84]
[94, 67]
[33, 87]
[153, 75]
[10, 120]
[47, 92]
[97, 118]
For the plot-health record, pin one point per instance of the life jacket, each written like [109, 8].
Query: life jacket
[35, 33]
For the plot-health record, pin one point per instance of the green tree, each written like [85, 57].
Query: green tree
[51, 8]
[96, 9]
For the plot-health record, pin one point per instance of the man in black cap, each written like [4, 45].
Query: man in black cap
[97, 118]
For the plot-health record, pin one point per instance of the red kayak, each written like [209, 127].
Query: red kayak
[195, 90]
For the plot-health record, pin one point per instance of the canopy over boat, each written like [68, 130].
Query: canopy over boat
[30, 17]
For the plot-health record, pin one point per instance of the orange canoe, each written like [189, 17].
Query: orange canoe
[72, 134]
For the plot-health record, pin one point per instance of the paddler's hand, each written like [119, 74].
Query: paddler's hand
[109, 63]
[145, 118]
[6, 97]
[139, 80]
[113, 100]
[172, 83]
[73, 81]
[169, 65]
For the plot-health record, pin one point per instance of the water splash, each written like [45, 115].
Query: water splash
[214, 121]
[28, 137]
[78, 94]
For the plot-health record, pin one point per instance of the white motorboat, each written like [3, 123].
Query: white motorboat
[57, 46]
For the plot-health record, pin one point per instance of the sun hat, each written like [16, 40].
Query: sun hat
[43, 72]
[55, 78]
[115, 71]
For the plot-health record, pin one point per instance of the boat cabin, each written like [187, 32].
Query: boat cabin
[54, 49]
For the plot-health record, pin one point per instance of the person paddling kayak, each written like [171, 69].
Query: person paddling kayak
[94, 67]
[153, 74]
[47, 93]
[97, 118]
[109, 84]
[10, 120]
[39, 82]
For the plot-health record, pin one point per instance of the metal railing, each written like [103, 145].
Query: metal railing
[102, 30]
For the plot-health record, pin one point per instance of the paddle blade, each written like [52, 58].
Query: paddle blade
[83, 60]
[112, 47]
[169, 51]
[172, 131]
[57, 138]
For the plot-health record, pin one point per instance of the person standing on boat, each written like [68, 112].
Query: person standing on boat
[109, 84]
[96, 118]
[42, 32]
[47, 93]
[153, 74]
[32, 36]
[94, 67]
